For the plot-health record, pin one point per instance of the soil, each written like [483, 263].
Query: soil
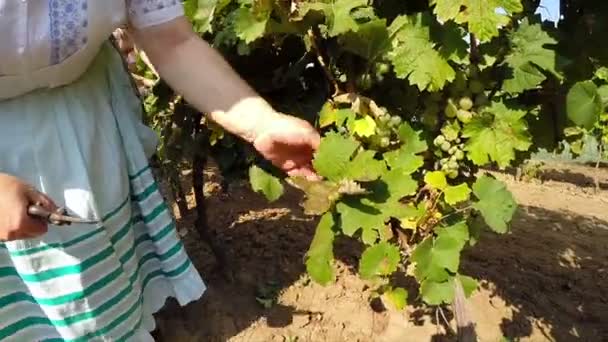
[547, 280]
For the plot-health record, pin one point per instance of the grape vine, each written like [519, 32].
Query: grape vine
[422, 97]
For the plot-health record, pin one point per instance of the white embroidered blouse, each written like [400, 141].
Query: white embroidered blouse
[49, 43]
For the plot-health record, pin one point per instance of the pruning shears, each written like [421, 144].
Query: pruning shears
[60, 217]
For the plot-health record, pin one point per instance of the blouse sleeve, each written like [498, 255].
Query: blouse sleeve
[144, 13]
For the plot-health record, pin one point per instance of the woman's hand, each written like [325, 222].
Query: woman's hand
[289, 143]
[15, 198]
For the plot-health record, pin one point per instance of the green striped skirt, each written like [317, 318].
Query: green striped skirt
[85, 146]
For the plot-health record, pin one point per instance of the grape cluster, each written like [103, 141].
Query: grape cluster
[466, 97]
[386, 126]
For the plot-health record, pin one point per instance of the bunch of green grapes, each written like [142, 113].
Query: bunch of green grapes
[466, 97]
[452, 155]
[386, 128]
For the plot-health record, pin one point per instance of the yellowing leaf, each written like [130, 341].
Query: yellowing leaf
[457, 194]
[365, 127]
[436, 179]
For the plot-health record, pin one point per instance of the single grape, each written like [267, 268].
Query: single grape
[458, 140]
[385, 142]
[445, 146]
[395, 121]
[465, 103]
[453, 149]
[383, 68]
[453, 174]
[450, 109]
[459, 155]
[453, 165]
[439, 140]
[384, 119]
[464, 116]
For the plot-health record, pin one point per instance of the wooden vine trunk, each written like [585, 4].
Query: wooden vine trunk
[464, 321]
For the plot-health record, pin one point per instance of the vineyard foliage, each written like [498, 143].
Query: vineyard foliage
[421, 97]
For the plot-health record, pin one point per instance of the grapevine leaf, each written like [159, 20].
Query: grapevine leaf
[379, 260]
[411, 139]
[528, 57]
[364, 127]
[248, 26]
[327, 115]
[447, 9]
[397, 297]
[320, 196]
[457, 194]
[265, 183]
[483, 18]
[469, 285]
[451, 130]
[584, 104]
[496, 203]
[399, 183]
[496, 134]
[357, 215]
[333, 156]
[436, 179]
[364, 167]
[370, 41]
[437, 293]
[338, 14]
[453, 45]
[406, 158]
[436, 255]
[414, 56]
[320, 254]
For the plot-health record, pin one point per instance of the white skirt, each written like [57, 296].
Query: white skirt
[85, 146]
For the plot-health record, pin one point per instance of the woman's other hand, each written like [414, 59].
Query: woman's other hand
[289, 143]
[15, 199]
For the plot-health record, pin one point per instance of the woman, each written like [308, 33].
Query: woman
[70, 135]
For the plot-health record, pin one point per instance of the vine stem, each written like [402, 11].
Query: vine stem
[317, 50]
[445, 320]
[464, 322]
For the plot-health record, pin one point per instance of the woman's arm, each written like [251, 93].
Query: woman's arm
[198, 72]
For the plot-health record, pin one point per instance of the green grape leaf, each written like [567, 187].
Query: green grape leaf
[333, 156]
[248, 26]
[436, 180]
[437, 255]
[265, 183]
[406, 158]
[338, 14]
[483, 17]
[356, 214]
[364, 127]
[370, 41]
[437, 293]
[496, 134]
[469, 285]
[457, 194]
[327, 115]
[321, 252]
[453, 45]
[496, 204]
[397, 297]
[379, 260]
[320, 196]
[414, 56]
[399, 183]
[529, 55]
[584, 104]
[365, 168]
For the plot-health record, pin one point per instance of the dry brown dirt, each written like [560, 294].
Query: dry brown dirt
[547, 280]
